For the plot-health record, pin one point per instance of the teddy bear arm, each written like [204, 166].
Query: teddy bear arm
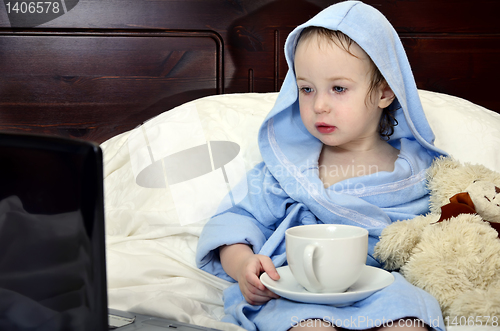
[398, 239]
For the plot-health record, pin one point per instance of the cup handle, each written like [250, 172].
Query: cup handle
[308, 266]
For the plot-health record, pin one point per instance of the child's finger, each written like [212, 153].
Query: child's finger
[270, 269]
[257, 299]
[265, 293]
[254, 281]
[260, 289]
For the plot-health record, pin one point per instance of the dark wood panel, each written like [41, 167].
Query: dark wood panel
[255, 43]
[464, 16]
[441, 16]
[95, 84]
[248, 27]
[461, 65]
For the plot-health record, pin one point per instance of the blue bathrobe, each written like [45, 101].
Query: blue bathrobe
[285, 190]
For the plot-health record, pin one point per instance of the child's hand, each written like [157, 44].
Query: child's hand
[244, 266]
[248, 279]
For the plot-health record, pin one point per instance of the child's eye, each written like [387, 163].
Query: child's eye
[306, 90]
[339, 89]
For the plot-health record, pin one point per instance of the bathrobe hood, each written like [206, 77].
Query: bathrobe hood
[285, 144]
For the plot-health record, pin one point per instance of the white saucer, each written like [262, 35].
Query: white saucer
[372, 279]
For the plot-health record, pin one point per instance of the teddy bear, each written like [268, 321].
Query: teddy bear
[453, 252]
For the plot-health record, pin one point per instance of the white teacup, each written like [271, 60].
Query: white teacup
[326, 258]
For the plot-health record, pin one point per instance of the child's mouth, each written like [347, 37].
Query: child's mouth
[325, 128]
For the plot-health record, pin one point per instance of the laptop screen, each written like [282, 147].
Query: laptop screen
[52, 253]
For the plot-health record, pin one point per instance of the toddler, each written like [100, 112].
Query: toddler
[347, 142]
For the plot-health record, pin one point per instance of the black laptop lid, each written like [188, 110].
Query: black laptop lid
[52, 254]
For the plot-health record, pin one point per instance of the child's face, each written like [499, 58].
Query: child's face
[333, 87]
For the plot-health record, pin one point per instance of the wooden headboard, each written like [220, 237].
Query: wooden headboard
[97, 68]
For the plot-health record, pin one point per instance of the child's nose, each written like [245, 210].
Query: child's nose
[321, 104]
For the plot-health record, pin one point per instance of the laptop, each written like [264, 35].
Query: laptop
[52, 242]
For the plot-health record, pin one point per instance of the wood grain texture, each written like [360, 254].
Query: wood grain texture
[94, 84]
[106, 66]
[463, 65]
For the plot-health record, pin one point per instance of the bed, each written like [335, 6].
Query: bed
[139, 77]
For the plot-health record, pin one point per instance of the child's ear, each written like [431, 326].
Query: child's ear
[386, 96]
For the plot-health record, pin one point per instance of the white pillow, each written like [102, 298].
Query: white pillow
[468, 132]
[139, 202]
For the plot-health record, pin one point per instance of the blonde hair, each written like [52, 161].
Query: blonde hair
[387, 120]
